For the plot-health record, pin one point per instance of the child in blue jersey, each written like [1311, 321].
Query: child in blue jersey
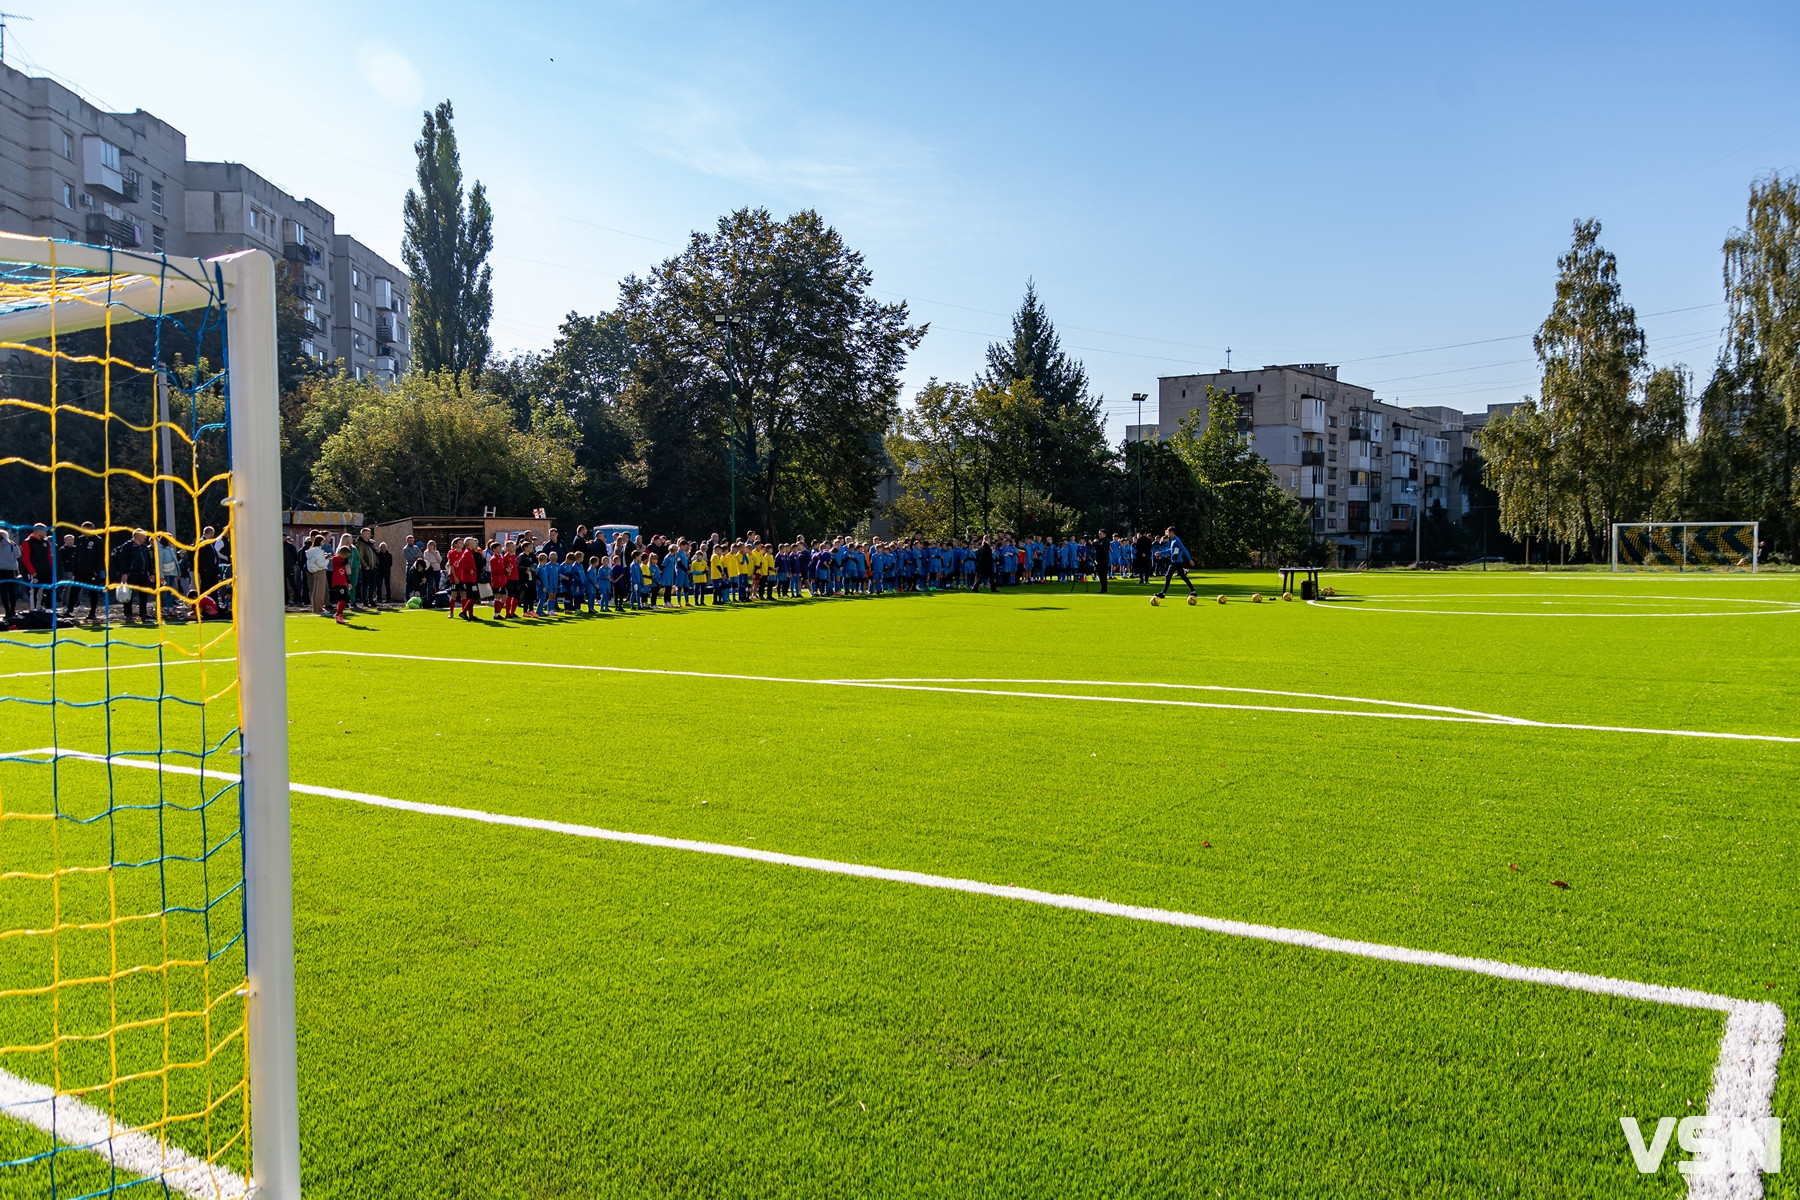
[547, 571]
[599, 582]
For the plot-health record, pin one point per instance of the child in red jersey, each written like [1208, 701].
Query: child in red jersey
[340, 578]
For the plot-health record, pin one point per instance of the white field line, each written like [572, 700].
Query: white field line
[1436, 713]
[79, 1125]
[1749, 1050]
[1374, 603]
[1424, 712]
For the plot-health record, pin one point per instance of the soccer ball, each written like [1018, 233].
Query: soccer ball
[1287, 595]
[1193, 599]
[1256, 598]
[1156, 602]
[1221, 599]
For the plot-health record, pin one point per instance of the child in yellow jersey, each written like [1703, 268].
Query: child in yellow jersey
[720, 568]
[740, 570]
[697, 573]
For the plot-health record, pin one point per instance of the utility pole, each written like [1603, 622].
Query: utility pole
[1138, 442]
[730, 321]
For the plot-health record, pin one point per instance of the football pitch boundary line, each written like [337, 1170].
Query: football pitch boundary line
[1744, 1075]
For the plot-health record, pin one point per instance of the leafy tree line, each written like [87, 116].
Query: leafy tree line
[1609, 437]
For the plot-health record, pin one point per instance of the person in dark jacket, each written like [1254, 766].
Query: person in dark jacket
[37, 569]
[206, 561]
[984, 566]
[88, 569]
[1142, 550]
[1102, 557]
[384, 574]
[134, 564]
[1178, 559]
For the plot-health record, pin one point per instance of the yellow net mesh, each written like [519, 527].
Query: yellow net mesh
[122, 968]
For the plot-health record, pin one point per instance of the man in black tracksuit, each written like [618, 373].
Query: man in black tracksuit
[1141, 553]
[89, 572]
[984, 566]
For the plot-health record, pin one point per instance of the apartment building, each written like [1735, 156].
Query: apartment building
[1364, 468]
[372, 308]
[70, 170]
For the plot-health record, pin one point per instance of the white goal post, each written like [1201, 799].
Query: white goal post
[1686, 545]
[86, 287]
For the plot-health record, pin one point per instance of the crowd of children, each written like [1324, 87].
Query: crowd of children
[531, 578]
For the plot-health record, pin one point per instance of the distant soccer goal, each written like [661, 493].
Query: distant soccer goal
[1686, 546]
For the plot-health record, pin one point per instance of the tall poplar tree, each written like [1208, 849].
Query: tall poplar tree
[445, 249]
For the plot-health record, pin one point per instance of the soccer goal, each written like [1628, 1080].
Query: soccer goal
[146, 912]
[1686, 546]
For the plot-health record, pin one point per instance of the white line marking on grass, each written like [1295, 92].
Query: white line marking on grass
[1437, 713]
[79, 1125]
[1743, 1078]
[1773, 608]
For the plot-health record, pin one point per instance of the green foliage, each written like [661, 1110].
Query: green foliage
[1606, 442]
[445, 250]
[432, 444]
[1747, 458]
[573, 393]
[1069, 461]
[1244, 510]
[797, 397]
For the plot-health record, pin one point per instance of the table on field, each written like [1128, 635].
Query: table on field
[1289, 573]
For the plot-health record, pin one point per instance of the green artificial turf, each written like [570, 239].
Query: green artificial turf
[495, 1011]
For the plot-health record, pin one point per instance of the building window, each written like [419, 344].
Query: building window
[1296, 407]
[68, 195]
[68, 146]
[359, 372]
[356, 278]
[156, 198]
[156, 238]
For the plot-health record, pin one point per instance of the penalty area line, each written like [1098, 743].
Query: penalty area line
[1744, 1076]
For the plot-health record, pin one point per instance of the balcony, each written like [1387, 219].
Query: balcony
[103, 230]
[1312, 491]
[384, 330]
[1358, 435]
[1312, 458]
[300, 252]
[383, 365]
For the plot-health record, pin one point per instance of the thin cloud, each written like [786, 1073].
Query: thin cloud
[391, 75]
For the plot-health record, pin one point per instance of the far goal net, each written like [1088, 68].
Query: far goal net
[1686, 546]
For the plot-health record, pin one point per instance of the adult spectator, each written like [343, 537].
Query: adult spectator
[552, 545]
[1102, 558]
[434, 561]
[384, 574]
[89, 570]
[318, 573]
[419, 581]
[134, 565]
[65, 574]
[9, 572]
[1140, 563]
[364, 562]
[410, 552]
[168, 570]
[36, 568]
[206, 561]
[984, 566]
[292, 572]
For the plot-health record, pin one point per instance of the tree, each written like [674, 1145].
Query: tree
[1517, 453]
[758, 354]
[1070, 458]
[1591, 351]
[1747, 456]
[430, 443]
[1245, 510]
[574, 392]
[445, 249]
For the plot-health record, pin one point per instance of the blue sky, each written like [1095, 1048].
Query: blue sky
[1382, 186]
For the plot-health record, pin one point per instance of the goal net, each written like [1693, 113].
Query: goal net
[1686, 546]
[146, 940]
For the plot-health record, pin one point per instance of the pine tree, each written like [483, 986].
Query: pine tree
[1070, 458]
[447, 242]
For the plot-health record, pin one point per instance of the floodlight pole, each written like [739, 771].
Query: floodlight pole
[1140, 397]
